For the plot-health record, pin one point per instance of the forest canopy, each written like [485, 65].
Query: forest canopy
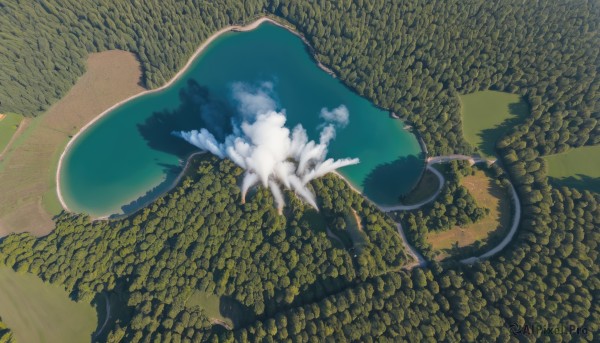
[412, 57]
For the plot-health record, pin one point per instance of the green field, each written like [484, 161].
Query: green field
[8, 126]
[577, 168]
[28, 199]
[39, 312]
[487, 115]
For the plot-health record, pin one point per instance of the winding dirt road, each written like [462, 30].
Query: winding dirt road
[444, 159]
[508, 238]
[22, 126]
[107, 316]
[419, 259]
[422, 203]
[430, 162]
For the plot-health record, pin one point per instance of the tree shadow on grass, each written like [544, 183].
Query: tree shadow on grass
[224, 312]
[580, 182]
[387, 183]
[198, 109]
[495, 236]
[112, 310]
[239, 314]
[489, 137]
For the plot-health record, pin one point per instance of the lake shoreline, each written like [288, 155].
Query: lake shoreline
[185, 162]
[177, 76]
[174, 184]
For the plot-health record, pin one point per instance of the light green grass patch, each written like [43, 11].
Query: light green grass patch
[354, 230]
[485, 232]
[578, 168]
[40, 312]
[487, 115]
[8, 126]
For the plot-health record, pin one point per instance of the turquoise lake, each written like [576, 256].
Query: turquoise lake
[129, 157]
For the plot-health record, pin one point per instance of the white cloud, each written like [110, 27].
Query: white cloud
[339, 115]
[271, 154]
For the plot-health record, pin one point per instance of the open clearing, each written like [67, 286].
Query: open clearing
[354, 228]
[487, 194]
[487, 115]
[28, 167]
[578, 168]
[9, 123]
[40, 312]
[222, 311]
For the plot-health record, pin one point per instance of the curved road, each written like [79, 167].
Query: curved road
[107, 316]
[511, 233]
[419, 259]
[424, 202]
[443, 159]
[431, 161]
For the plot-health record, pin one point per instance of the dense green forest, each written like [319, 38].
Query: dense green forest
[413, 57]
[550, 283]
[200, 238]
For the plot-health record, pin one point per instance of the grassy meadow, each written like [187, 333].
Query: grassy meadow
[486, 116]
[577, 168]
[38, 312]
[9, 122]
[28, 168]
[487, 194]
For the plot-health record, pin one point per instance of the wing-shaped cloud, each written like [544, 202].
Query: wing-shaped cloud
[271, 154]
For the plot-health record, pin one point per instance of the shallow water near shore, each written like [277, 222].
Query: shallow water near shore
[129, 157]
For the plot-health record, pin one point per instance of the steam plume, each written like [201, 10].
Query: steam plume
[265, 148]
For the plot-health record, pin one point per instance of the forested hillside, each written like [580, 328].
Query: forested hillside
[292, 281]
[550, 283]
[43, 44]
[199, 237]
[413, 57]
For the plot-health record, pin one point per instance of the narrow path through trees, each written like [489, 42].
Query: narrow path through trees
[419, 259]
[107, 300]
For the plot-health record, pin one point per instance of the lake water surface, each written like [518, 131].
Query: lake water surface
[130, 157]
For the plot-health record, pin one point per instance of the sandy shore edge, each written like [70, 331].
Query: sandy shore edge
[201, 48]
